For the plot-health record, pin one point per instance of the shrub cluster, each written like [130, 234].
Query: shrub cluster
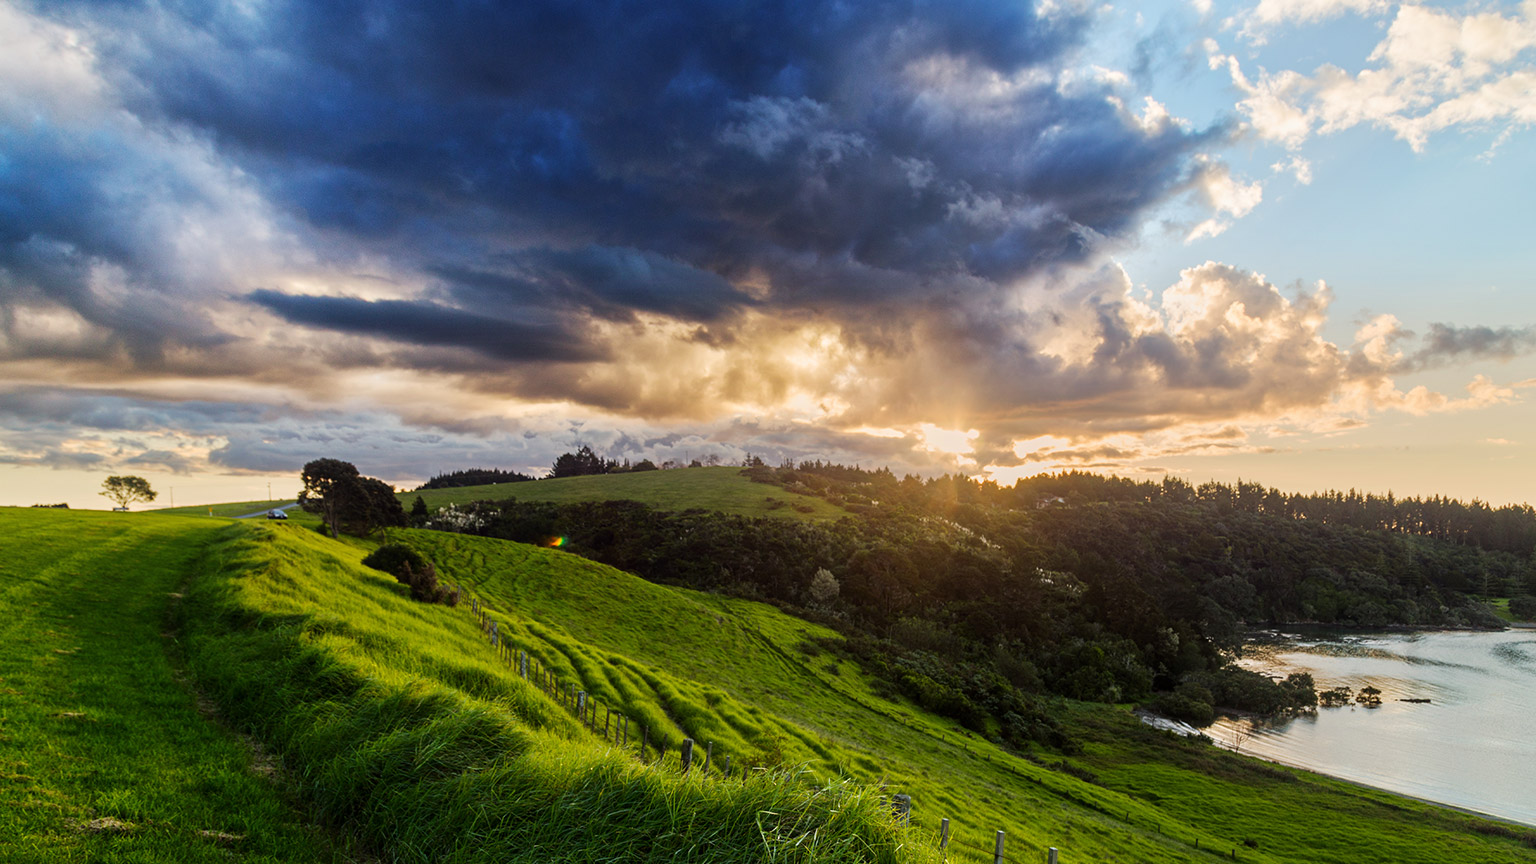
[409, 568]
[1195, 700]
[1523, 607]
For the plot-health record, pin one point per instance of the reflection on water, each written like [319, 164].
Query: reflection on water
[1472, 745]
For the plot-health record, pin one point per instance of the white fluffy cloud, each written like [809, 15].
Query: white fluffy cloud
[1227, 196]
[1271, 13]
[1433, 71]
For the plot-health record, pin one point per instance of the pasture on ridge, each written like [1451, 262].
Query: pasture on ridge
[721, 488]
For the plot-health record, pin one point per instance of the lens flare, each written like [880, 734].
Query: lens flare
[555, 542]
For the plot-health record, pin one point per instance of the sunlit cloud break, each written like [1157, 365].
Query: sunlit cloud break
[238, 236]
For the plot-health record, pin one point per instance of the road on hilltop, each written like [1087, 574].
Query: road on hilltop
[267, 510]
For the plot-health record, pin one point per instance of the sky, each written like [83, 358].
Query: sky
[1285, 240]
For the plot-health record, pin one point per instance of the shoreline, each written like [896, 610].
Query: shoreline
[1359, 655]
[1157, 721]
[1271, 630]
[1459, 808]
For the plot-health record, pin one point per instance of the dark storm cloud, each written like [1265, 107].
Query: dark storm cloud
[610, 283]
[173, 462]
[83, 204]
[432, 324]
[83, 409]
[58, 459]
[1448, 343]
[903, 143]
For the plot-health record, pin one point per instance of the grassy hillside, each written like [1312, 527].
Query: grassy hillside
[104, 753]
[720, 488]
[403, 727]
[399, 729]
[736, 673]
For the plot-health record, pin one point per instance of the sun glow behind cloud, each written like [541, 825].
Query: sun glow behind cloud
[243, 275]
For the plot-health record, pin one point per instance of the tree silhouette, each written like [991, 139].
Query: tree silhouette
[581, 463]
[126, 490]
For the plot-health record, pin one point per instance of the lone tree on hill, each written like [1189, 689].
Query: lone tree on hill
[126, 490]
[343, 498]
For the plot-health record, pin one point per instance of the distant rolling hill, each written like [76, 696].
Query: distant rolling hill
[719, 488]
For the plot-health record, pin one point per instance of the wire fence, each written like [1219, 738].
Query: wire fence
[616, 727]
[607, 721]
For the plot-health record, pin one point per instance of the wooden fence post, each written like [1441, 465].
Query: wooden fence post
[997, 852]
[687, 754]
[727, 771]
[607, 716]
[943, 833]
[581, 703]
[522, 664]
[901, 808]
[709, 752]
[1050, 855]
[495, 640]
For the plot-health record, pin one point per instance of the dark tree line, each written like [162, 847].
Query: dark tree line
[473, 477]
[584, 462]
[1509, 528]
[978, 613]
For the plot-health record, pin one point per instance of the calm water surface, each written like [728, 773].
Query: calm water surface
[1473, 746]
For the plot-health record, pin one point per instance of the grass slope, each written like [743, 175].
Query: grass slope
[399, 728]
[402, 727]
[731, 672]
[720, 488]
[104, 756]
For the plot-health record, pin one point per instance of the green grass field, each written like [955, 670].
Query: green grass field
[1499, 606]
[720, 488]
[731, 671]
[104, 752]
[410, 733]
[401, 733]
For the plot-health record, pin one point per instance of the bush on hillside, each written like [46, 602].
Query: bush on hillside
[1246, 690]
[1523, 607]
[409, 568]
[1188, 702]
